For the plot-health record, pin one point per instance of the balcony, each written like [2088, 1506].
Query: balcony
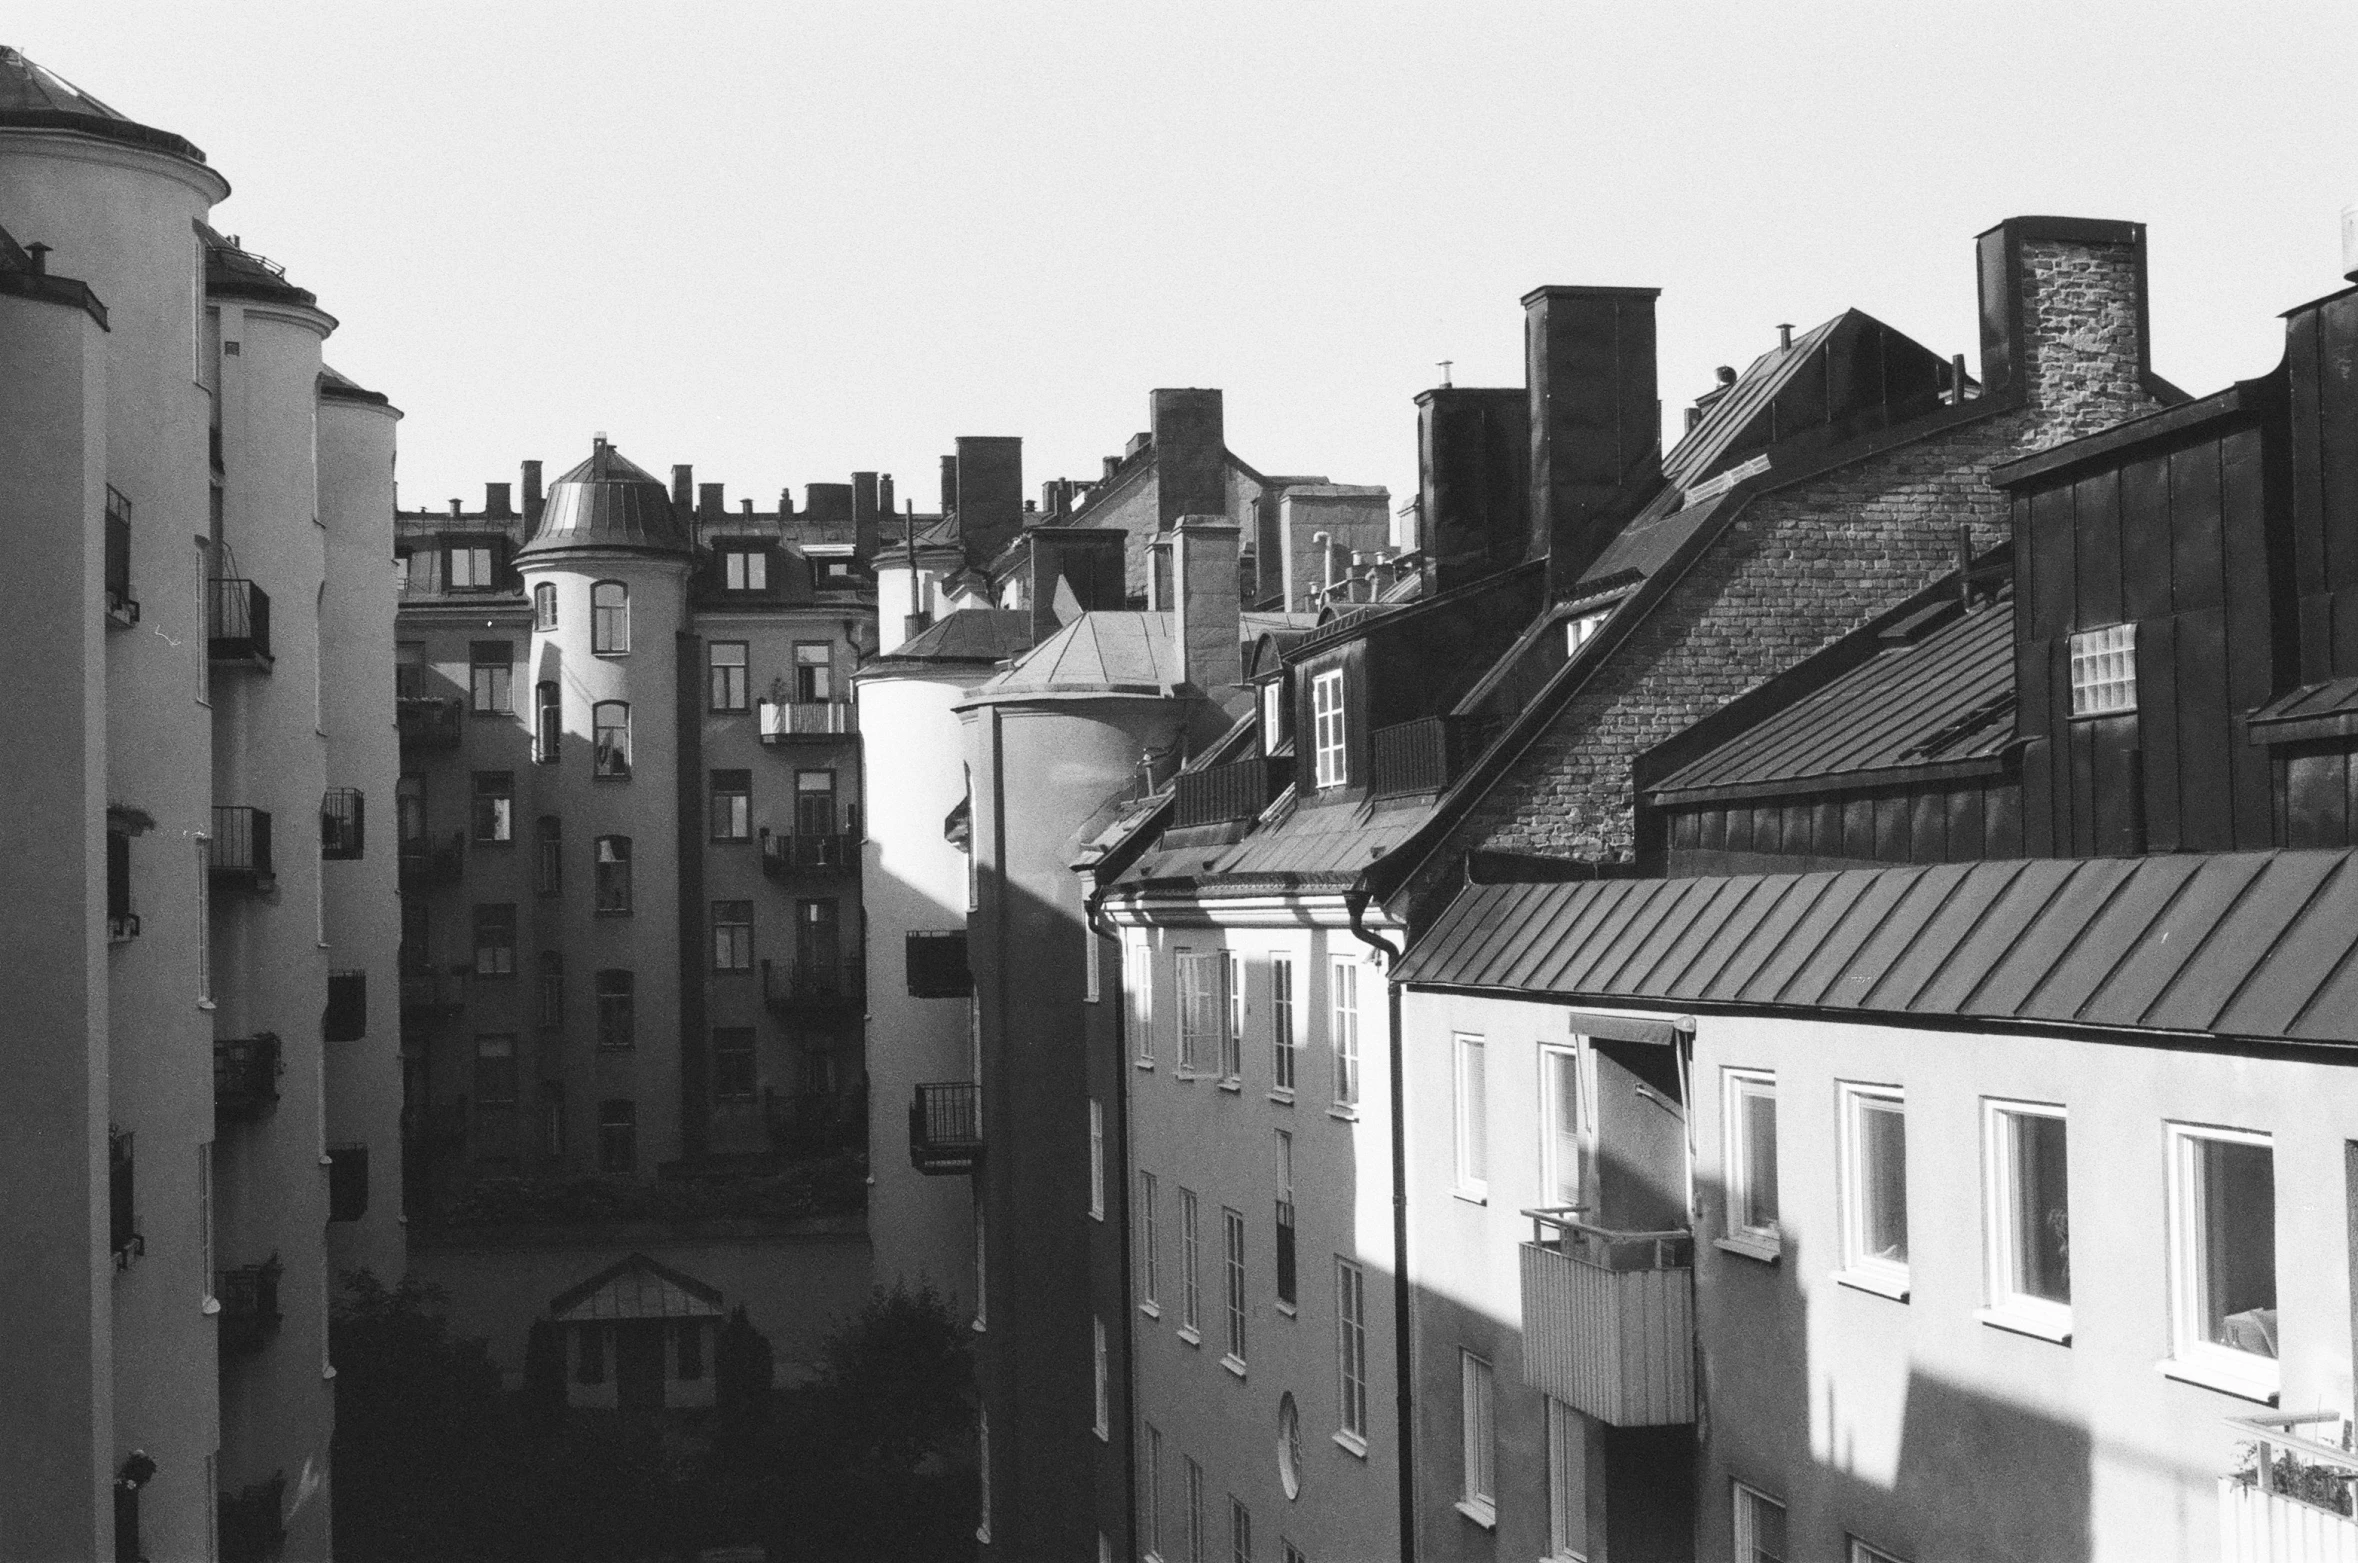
[1609, 1320]
[2291, 1502]
[249, 1306]
[239, 853]
[428, 999]
[343, 820]
[428, 721]
[813, 988]
[245, 1074]
[122, 609]
[426, 863]
[1425, 755]
[239, 629]
[805, 856]
[945, 1128]
[1236, 791]
[795, 721]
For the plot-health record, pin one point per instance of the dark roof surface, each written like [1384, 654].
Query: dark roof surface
[1110, 652]
[2246, 944]
[232, 271]
[34, 97]
[607, 502]
[2322, 710]
[1726, 419]
[1938, 699]
[969, 635]
[337, 386]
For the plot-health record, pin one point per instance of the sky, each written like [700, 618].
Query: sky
[788, 241]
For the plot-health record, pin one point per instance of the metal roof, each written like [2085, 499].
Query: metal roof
[1937, 699]
[607, 502]
[636, 1288]
[968, 635]
[1112, 652]
[2245, 944]
[1328, 841]
[34, 97]
[2325, 710]
[1732, 413]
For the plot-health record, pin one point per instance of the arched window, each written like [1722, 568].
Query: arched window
[548, 722]
[617, 1022]
[544, 606]
[610, 722]
[609, 618]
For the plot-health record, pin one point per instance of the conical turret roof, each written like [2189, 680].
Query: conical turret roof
[37, 98]
[607, 503]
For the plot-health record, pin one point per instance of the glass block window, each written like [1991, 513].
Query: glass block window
[2104, 671]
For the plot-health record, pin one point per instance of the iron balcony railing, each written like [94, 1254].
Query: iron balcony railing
[786, 721]
[239, 852]
[1609, 1319]
[343, 820]
[239, 630]
[945, 1127]
[812, 985]
[245, 1074]
[1425, 755]
[2291, 1500]
[428, 998]
[1239, 790]
[783, 856]
[427, 721]
[426, 863]
[249, 1305]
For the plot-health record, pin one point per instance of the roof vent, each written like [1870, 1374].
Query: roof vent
[1785, 336]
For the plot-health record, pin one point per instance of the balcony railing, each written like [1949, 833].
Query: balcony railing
[239, 630]
[343, 821]
[426, 863]
[2291, 1501]
[1609, 1319]
[789, 721]
[245, 1074]
[1425, 755]
[783, 856]
[1239, 790]
[427, 721]
[812, 985]
[249, 1306]
[945, 1127]
[239, 853]
[428, 998]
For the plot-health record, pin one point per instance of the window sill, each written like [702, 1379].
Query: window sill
[1232, 1087]
[1352, 1444]
[1287, 1308]
[1471, 1196]
[1282, 1098]
[1894, 1287]
[490, 841]
[205, 1004]
[1343, 1114]
[2226, 1378]
[210, 1306]
[1482, 1514]
[1765, 1249]
[1234, 1364]
[1146, 1064]
[1188, 1334]
[1151, 1310]
[2040, 1324]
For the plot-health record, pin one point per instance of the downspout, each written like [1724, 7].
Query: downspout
[1092, 905]
[1403, 1352]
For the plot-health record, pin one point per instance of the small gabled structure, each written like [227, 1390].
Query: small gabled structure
[638, 1336]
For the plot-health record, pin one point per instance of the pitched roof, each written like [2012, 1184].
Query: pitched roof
[35, 97]
[969, 635]
[2245, 944]
[2326, 710]
[232, 271]
[636, 1288]
[1108, 652]
[607, 502]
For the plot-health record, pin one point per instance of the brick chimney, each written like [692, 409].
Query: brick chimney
[1190, 455]
[2064, 319]
[990, 492]
[865, 500]
[1595, 418]
[1205, 607]
[533, 499]
[683, 490]
[495, 500]
[1473, 460]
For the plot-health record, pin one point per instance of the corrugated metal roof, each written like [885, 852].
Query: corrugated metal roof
[1727, 418]
[2249, 944]
[1335, 841]
[1944, 697]
[637, 1288]
[2330, 706]
[607, 501]
[1114, 652]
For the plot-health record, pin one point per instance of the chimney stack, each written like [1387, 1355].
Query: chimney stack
[709, 503]
[2063, 312]
[495, 500]
[865, 499]
[1205, 604]
[990, 492]
[683, 490]
[533, 499]
[1473, 480]
[949, 485]
[1595, 419]
[1190, 455]
[886, 504]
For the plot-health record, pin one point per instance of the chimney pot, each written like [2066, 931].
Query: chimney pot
[683, 488]
[1785, 335]
[39, 255]
[709, 500]
[1207, 603]
[1111, 462]
[454, 507]
[1595, 418]
[747, 505]
[1727, 376]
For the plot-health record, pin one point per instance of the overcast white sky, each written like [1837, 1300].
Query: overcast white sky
[787, 240]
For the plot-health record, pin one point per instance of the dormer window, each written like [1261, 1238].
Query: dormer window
[1272, 715]
[468, 567]
[1582, 628]
[2104, 671]
[745, 569]
[1328, 729]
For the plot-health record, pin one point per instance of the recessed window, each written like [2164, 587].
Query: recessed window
[1289, 1445]
[727, 666]
[1150, 1487]
[548, 723]
[1343, 1023]
[552, 990]
[1567, 1484]
[1149, 1246]
[814, 670]
[1559, 1126]
[746, 569]
[2223, 1258]
[1351, 1349]
[495, 806]
[1195, 1512]
[1282, 1039]
[1874, 1155]
[732, 1063]
[610, 730]
[495, 1095]
[1138, 993]
[732, 936]
[1582, 628]
[1328, 730]
[1202, 1007]
[617, 1010]
[548, 856]
[1096, 1159]
[618, 1136]
[1102, 1399]
[1749, 1106]
[2104, 671]
[610, 887]
[814, 803]
[1863, 1552]
[1232, 1021]
[1473, 1118]
[468, 567]
[609, 618]
[409, 669]
[2027, 1217]
[732, 805]
[490, 677]
[544, 607]
[1232, 1229]
[1190, 1266]
[1273, 715]
[495, 940]
[1285, 1218]
[1477, 1386]
[1760, 1526]
[1240, 1531]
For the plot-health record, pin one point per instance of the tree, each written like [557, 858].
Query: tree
[897, 1383]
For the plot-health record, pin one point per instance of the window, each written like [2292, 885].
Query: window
[468, 567]
[1092, 964]
[726, 660]
[2104, 671]
[1327, 729]
[1097, 1158]
[548, 724]
[2028, 1217]
[1233, 1233]
[814, 803]
[610, 733]
[590, 1359]
[1478, 1446]
[119, 603]
[1567, 1484]
[202, 639]
[495, 806]
[1874, 1155]
[1345, 1032]
[1473, 1119]
[551, 996]
[2223, 1259]
[982, 1441]
[1760, 1527]
[1559, 1126]
[121, 921]
[1294, 1554]
[814, 670]
[1149, 1247]
[552, 1119]
[204, 918]
[1289, 1445]
[544, 607]
[1862, 1552]
[1232, 1031]
[609, 618]
[732, 936]
[1202, 1008]
[1351, 1350]
[1749, 1107]
[1285, 1218]
[618, 1136]
[745, 569]
[1103, 1425]
[495, 1074]
[817, 947]
[610, 887]
[936, 964]
[1240, 1531]
[1150, 1488]
[732, 805]
[1273, 715]
[409, 669]
[490, 677]
[1195, 1511]
[1582, 628]
[1138, 989]
[617, 1009]
[548, 855]
[495, 940]
[409, 812]
[1190, 1275]
[1281, 1022]
[732, 1063]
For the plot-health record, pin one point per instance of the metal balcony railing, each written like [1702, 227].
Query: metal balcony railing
[245, 1074]
[1425, 755]
[427, 721]
[249, 1305]
[426, 863]
[239, 852]
[945, 1127]
[1239, 790]
[239, 627]
[2292, 1500]
[343, 820]
[811, 985]
[788, 721]
[834, 852]
[428, 998]
[1609, 1319]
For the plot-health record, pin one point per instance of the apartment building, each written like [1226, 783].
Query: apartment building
[203, 986]
[629, 825]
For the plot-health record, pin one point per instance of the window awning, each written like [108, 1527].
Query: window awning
[1660, 1031]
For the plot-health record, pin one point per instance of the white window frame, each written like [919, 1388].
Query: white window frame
[1557, 1139]
[1567, 1484]
[1284, 1039]
[1195, 1511]
[1233, 1013]
[1746, 1530]
[1470, 1136]
[1289, 1445]
[1138, 993]
[1150, 1490]
[1861, 1269]
[204, 918]
[1102, 1401]
[2009, 1306]
[1092, 963]
[1096, 1159]
[2193, 1358]
[1477, 1454]
[1330, 730]
[1582, 628]
[1240, 1531]
[1351, 1355]
[2104, 671]
[1203, 1008]
[1738, 1087]
[1191, 1294]
[1343, 1031]
[1867, 1552]
[1232, 1240]
[1149, 1248]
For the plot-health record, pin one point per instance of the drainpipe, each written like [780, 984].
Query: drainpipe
[1403, 1354]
